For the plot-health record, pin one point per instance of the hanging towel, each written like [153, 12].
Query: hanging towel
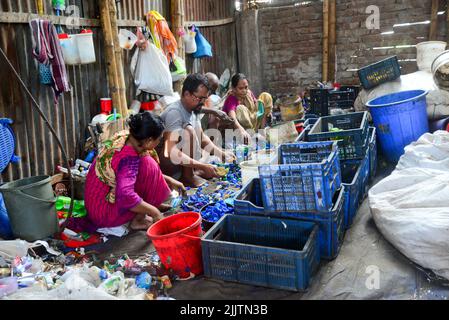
[47, 50]
[162, 36]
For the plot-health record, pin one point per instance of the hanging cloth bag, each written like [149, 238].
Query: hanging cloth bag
[204, 49]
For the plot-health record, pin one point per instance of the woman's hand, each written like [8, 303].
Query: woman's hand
[245, 135]
[210, 171]
[228, 156]
[175, 185]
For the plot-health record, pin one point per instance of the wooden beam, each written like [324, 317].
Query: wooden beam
[325, 40]
[211, 23]
[332, 40]
[109, 54]
[434, 21]
[118, 53]
[21, 17]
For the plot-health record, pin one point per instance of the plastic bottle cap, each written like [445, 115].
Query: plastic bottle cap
[62, 36]
[86, 31]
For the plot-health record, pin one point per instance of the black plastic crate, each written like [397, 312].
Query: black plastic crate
[380, 72]
[352, 136]
[322, 100]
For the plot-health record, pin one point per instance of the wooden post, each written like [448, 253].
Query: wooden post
[325, 40]
[118, 54]
[178, 20]
[332, 40]
[447, 21]
[434, 21]
[109, 54]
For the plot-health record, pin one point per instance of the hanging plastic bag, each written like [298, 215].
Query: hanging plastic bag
[151, 71]
[189, 41]
[181, 71]
[204, 49]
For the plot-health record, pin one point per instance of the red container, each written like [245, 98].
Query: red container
[148, 106]
[106, 105]
[177, 240]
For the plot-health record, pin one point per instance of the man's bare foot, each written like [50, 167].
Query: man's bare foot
[141, 224]
[193, 182]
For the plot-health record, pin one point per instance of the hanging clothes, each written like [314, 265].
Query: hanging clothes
[47, 51]
[162, 36]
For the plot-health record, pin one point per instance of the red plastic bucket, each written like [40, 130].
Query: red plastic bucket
[177, 240]
[148, 106]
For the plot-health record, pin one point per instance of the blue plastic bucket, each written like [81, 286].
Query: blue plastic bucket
[400, 119]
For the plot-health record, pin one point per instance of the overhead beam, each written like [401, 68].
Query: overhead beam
[21, 17]
[211, 23]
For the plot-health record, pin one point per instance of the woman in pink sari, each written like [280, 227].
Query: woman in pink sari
[125, 183]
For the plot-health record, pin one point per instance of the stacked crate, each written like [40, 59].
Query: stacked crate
[305, 185]
[358, 154]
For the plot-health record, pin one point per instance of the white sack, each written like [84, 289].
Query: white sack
[411, 206]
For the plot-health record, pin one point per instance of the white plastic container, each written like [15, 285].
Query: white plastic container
[127, 39]
[440, 71]
[427, 52]
[250, 169]
[86, 49]
[69, 49]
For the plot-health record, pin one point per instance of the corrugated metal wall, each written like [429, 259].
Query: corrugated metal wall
[222, 38]
[35, 145]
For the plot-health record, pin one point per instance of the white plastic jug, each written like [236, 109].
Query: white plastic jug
[69, 48]
[427, 52]
[86, 47]
[127, 39]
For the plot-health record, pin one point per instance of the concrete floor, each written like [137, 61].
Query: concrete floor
[364, 254]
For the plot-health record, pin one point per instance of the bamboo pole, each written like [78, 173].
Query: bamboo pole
[332, 40]
[118, 54]
[325, 40]
[434, 21]
[177, 18]
[447, 21]
[109, 54]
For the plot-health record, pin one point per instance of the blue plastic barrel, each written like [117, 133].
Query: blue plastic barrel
[400, 119]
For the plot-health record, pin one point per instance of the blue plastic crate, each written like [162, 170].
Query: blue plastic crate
[5, 226]
[372, 152]
[365, 177]
[7, 144]
[306, 179]
[352, 176]
[380, 72]
[308, 124]
[275, 253]
[248, 202]
[352, 139]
